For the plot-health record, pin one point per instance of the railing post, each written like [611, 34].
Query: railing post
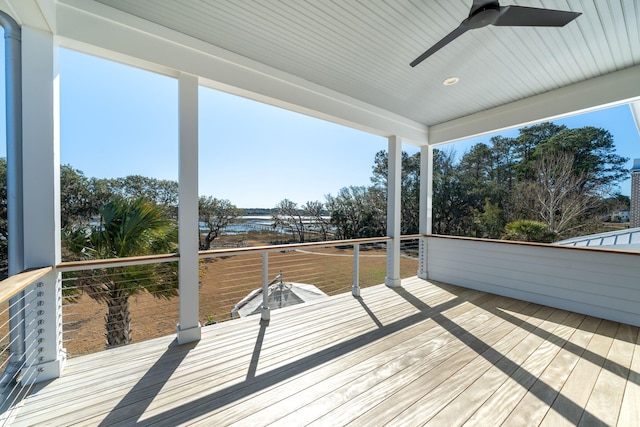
[355, 289]
[266, 312]
[43, 331]
[422, 258]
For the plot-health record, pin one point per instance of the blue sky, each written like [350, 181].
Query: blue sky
[118, 121]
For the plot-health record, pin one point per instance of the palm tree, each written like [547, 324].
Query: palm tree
[127, 228]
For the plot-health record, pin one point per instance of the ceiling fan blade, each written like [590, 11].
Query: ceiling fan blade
[462, 28]
[520, 16]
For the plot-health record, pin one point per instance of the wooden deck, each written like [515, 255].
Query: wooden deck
[428, 353]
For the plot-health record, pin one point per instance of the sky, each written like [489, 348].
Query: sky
[117, 121]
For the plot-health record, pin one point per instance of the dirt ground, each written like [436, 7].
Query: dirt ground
[223, 283]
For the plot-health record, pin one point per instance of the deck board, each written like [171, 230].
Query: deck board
[606, 397]
[428, 353]
[369, 392]
[488, 354]
[333, 380]
[470, 400]
[630, 411]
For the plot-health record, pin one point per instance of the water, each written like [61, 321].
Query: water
[246, 224]
[254, 223]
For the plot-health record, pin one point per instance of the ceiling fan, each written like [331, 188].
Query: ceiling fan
[488, 12]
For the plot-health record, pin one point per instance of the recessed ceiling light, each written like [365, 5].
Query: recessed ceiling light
[450, 81]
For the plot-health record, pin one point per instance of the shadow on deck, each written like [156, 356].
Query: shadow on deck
[424, 353]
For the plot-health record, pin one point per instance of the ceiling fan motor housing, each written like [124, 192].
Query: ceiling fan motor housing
[484, 16]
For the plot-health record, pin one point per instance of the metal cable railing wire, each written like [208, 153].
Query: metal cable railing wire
[329, 267]
[96, 303]
[12, 365]
[226, 277]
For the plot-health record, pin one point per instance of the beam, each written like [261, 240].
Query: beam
[612, 89]
[36, 14]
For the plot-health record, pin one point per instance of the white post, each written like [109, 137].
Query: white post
[394, 182]
[15, 216]
[45, 357]
[188, 234]
[266, 312]
[426, 207]
[355, 288]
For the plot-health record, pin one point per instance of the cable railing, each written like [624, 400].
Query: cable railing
[242, 277]
[21, 326]
[112, 302]
[108, 303]
[410, 246]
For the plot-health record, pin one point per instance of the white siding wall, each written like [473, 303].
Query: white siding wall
[590, 281]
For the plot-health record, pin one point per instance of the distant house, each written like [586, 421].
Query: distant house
[620, 216]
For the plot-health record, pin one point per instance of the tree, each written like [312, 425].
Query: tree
[528, 140]
[504, 152]
[558, 193]
[289, 217]
[449, 204]
[358, 212]
[410, 187]
[80, 197]
[489, 221]
[162, 192]
[128, 228]
[216, 214]
[477, 176]
[528, 231]
[593, 154]
[315, 211]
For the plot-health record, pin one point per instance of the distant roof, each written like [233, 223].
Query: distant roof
[622, 239]
[282, 294]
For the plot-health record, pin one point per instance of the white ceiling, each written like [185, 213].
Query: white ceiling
[363, 48]
[356, 54]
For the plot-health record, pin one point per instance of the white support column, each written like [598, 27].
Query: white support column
[45, 357]
[394, 181]
[426, 206]
[189, 326]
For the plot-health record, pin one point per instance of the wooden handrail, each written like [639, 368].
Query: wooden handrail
[16, 283]
[153, 259]
[536, 244]
[115, 262]
[412, 236]
[273, 248]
